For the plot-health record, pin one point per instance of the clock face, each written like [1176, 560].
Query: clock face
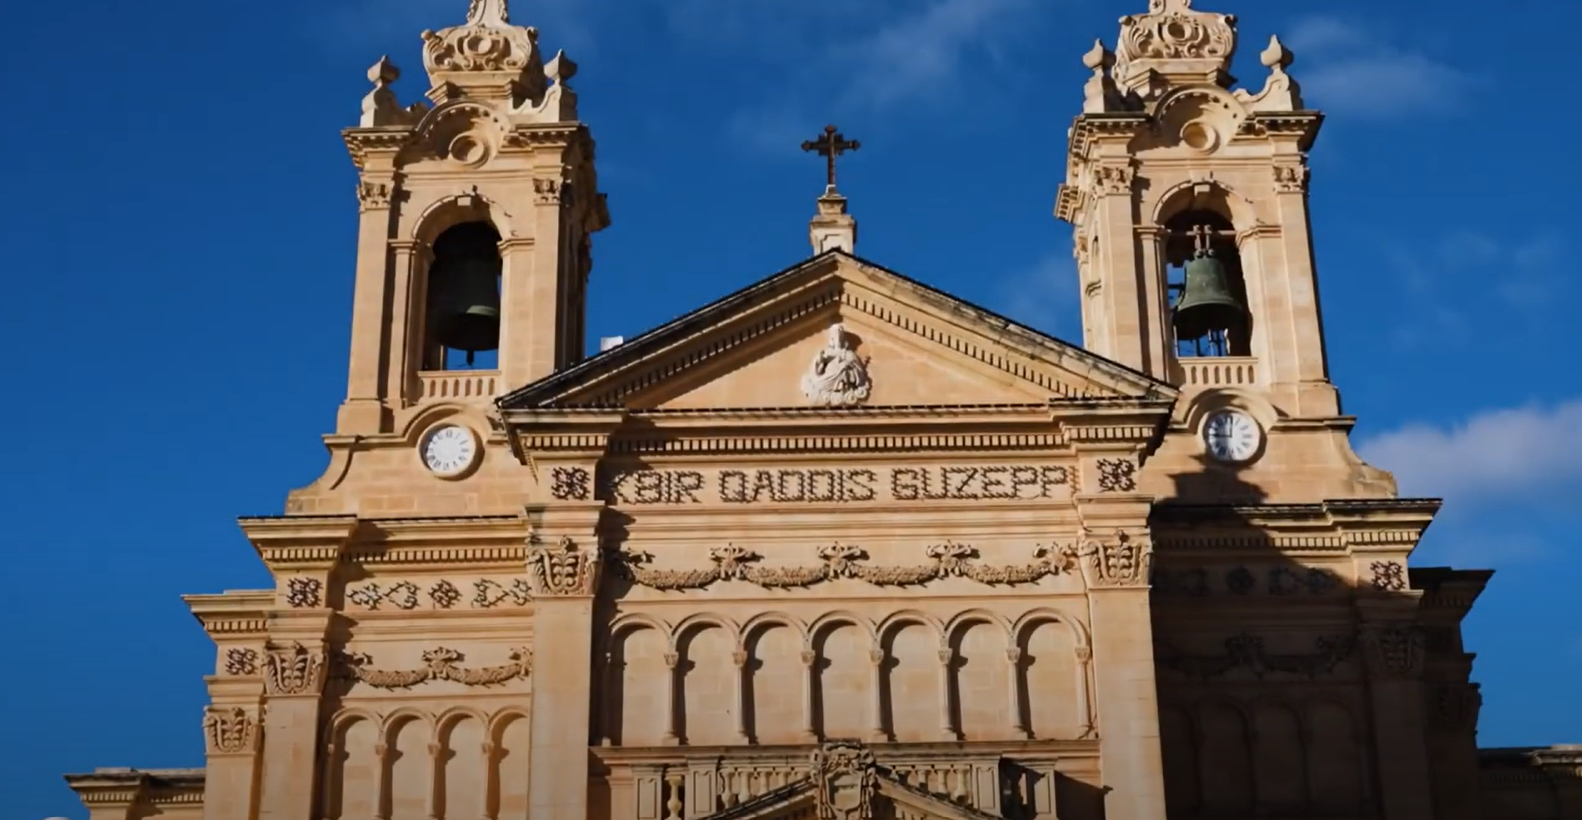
[1232, 436]
[448, 450]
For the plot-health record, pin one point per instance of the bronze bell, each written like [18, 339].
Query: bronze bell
[1206, 302]
[465, 296]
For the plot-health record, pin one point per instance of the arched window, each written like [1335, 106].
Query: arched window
[463, 300]
[1208, 295]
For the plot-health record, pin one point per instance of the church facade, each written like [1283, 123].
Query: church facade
[840, 545]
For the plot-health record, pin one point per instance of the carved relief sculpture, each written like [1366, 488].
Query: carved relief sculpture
[1121, 562]
[293, 670]
[845, 779]
[563, 569]
[230, 731]
[440, 663]
[836, 377]
[1395, 650]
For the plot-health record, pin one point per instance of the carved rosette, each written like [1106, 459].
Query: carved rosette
[230, 731]
[1395, 650]
[1119, 562]
[293, 670]
[845, 780]
[563, 569]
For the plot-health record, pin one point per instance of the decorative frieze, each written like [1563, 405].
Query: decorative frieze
[293, 670]
[989, 482]
[1246, 651]
[444, 594]
[230, 731]
[563, 569]
[1280, 581]
[842, 561]
[439, 664]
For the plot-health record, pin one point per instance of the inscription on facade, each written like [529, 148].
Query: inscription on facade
[834, 485]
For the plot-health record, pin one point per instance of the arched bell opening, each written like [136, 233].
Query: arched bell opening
[1208, 293]
[463, 300]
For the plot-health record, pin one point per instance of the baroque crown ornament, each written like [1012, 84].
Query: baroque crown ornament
[486, 52]
[1176, 43]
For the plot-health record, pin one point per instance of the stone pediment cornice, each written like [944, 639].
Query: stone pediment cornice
[621, 376]
[234, 613]
[1357, 526]
[299, 542]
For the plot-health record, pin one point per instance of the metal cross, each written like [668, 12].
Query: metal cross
[830, 145]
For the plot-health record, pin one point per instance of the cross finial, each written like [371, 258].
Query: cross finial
[830, 145]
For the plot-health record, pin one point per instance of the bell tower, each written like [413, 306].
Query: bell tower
[477, 208]
[1189, 201]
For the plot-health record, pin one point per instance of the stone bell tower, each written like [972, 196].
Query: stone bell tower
[1189, 203]
[477, 210]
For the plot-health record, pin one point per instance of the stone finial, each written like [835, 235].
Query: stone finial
[1100, 95]
[489, 13]
[1280, 91]
[380, 107]
[1175, 45]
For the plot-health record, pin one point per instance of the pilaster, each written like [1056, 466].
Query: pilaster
[1395, 649]
[233, 738]
[365, 410]
[564, 566]
[1115, 554]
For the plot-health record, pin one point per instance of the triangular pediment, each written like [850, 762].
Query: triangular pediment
[903, 343]
[887, 800]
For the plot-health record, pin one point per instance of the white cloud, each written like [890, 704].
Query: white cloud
[1351, 69]
[1491, 457]
[922, 53]
[1451, 291]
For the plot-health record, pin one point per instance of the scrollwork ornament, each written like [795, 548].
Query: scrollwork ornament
[1172, 31]
[241, 660]
[293, 670]
[1117, 475]
[440, 663]
[1388, 576]
[1290, 179]
[1113, 180]
[563, 569]
[304, 593]
[230, 731]
[846, 780]
[373, 196]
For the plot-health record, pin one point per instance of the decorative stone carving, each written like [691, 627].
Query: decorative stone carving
[380, 106]
[1280, 91]
[293, 670]
[1117, 475]
[1246, 650]
[440, 663]
[304, 593]
[1395, 650]
[570, 484]
[373, 596]
[489, 593]
[1113, 180]
[1120, 562]
[230, 731]
[444, 594]
[547, 191]
[1388, 576]
[1290, 179]
[950, 560]
[563, 569]
[1174, 41]
[837, 377]
[845, 781]
[486, 43]
[241, 660]
[373, 196]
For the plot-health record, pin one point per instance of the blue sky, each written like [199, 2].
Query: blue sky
[181, 225]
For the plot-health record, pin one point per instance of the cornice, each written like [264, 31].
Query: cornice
[1090, 128]
[233, 613]
[299, 542]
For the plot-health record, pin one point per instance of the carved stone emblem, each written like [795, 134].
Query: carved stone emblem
[1395, 651]
[845, 779]
[293, 670]
[440, 663]
[1123, 561]
[836, 377]
[230, 731]
[563, 569]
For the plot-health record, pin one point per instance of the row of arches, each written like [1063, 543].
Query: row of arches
[1224, 758]
[909, 678]
[410, 765]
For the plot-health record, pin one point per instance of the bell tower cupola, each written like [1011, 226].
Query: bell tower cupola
[477, 210]
[1189, 200]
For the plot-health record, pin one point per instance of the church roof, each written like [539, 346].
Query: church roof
[617, 378]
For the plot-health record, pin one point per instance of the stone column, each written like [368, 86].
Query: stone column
[739, 657]
[1115, 556]
[1126, 338]
[809, 683]
[947, 727]
[1395, 648]
[672, 691]
[408, 286]
[1013, 658]
[876, 730]
[565, 575]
